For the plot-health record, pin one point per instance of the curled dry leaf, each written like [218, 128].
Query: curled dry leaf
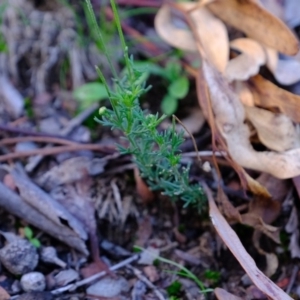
[232, 241]
[213, 36]
[247, 64]
[217, 137]
[211, 32]
[174, 36]
[229, 117]
[244, 93]
[256, 215]
[241, 67]
[276, 131]
[255, 221]
[272, 264]
[272, 58]
[251, 18]
[268, 95]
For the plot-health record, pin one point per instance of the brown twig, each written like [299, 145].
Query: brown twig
[39, 139]
[149, 284]
[4, 127]
[96, 276]
[56, 150]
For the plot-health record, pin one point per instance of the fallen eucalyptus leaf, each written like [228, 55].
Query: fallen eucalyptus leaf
[232, 241]
[268, 95]
[257, 23]
[276, 131]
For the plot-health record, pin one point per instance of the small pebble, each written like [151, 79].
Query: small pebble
[49, 255]
[33, 282]
[108, 287]
[19, 256]
[65, 277]
[246, 280]
[148, 256]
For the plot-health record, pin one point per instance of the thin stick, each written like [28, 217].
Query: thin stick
[56, 150]
[4, 127]
[149, 284]
[96, 276]
[39, 139]
[193, 139]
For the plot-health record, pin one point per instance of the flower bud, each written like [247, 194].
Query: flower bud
[102, 110]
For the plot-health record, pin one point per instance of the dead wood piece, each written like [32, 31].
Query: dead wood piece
[12, 203]
[45, 204]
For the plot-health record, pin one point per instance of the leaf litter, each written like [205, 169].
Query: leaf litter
[80, 194]
[227, 113]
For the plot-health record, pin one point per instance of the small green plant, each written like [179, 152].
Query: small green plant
[214, 276]
[175, 78]
[183, 271]
[155, 153]
[174, 290]
[29, 235]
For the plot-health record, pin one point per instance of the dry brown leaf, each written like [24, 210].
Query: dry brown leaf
[174, 36]
[272, 58]
[249, 17]
[213, 36]
[255, 187]
[217, 138]
[256, 222]
[221, 294]
[268, 95]
[272, 264]
[211, 32]
[229, 117]
[244, 93]
[247, 64]
[241, 67]
[276, 131]
[231, 213]
[142, 188]
[250, 47]
[232, 241]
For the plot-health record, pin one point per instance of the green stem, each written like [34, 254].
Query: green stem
[121, 35]
[98, 32]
